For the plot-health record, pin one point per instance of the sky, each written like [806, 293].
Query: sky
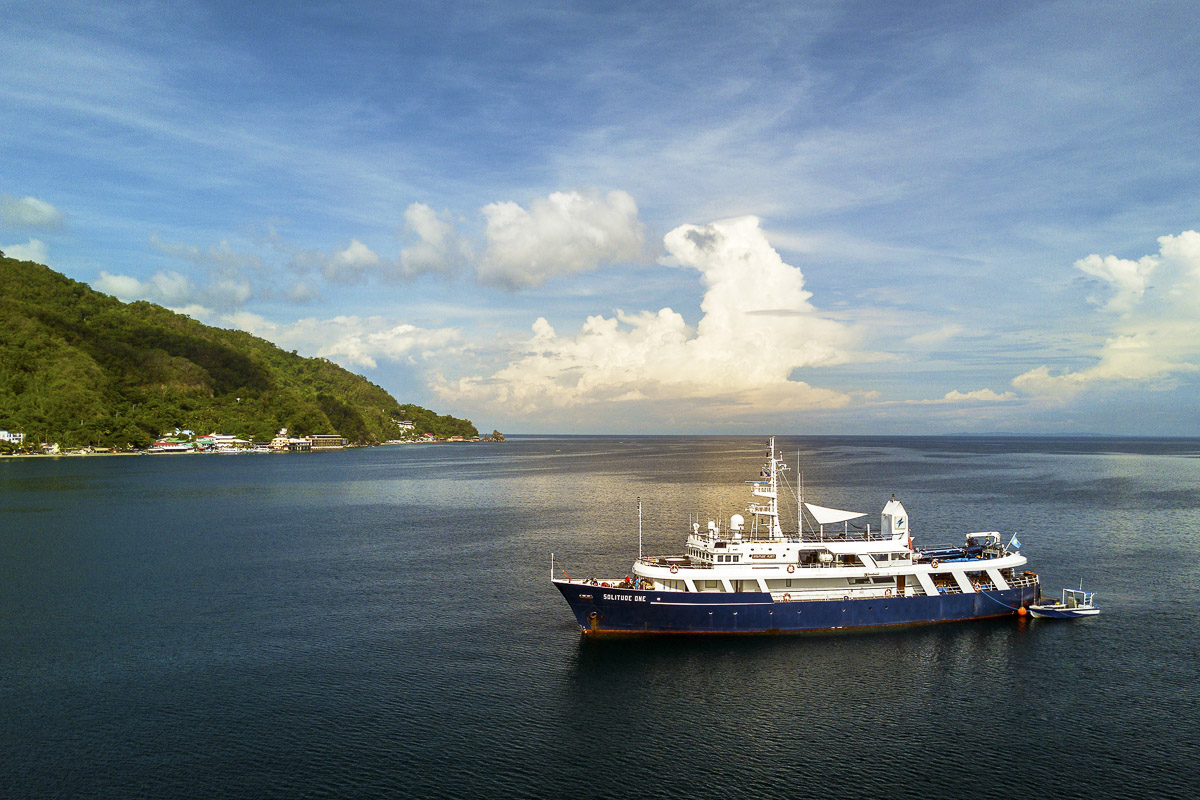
[794, 218]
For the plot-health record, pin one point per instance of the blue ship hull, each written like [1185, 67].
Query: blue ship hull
[608, 610]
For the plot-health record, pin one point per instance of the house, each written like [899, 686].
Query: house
[14, 438]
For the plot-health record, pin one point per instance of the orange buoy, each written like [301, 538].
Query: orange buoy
[1021, 611]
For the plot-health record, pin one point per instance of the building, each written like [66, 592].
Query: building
[326, 441]
[222, 442]
[404, 424]
[281, 443]
[171, 444]
[14, 438]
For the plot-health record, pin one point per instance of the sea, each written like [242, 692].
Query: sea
[380, 623]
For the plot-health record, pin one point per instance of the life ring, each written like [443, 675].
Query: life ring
[604, 585]
[674, 569]
[791, 567]
[887, 592]
[933, 563]
[787, 598]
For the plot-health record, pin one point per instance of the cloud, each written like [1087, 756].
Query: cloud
[177, 291]
[302, 292]
[955, 396]
[351, 262]
[167, 288]
[936, 337]
[563, 234]
[438, 247]
[757, 328]
[350, 265]
[220, 256]
[33, 250]
[28, 212]
[1128, 278]
[354, 341]
[1156, 336]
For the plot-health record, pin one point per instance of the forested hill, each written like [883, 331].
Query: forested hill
[79, 368]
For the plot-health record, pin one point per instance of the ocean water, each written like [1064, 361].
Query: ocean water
[379, 623]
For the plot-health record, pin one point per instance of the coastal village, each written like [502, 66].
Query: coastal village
[182, 441]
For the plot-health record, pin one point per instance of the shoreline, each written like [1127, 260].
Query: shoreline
[4, 456]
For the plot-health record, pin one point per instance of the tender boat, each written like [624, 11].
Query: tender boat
[747, 575]
[1074, 603]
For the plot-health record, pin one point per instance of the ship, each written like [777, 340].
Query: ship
[747, 575]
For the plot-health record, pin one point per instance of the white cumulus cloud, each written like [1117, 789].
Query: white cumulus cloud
[350, 263]
[165, 287]
[976, 396]
[32, 250]
[1127, 278]
[353, 341]
[1156, 336]
[437, 246]
[563, 234]
[758, 326]
[177, 291]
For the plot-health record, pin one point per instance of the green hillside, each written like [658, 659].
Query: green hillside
[80, 368]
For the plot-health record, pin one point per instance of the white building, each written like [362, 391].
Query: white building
[15, 438]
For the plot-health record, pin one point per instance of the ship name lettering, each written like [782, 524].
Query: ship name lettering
[627, 597]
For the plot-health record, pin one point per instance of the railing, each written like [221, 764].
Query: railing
[674, 561]
[809, 595]
[880, 593]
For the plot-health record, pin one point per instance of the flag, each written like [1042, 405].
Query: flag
[1014, 543]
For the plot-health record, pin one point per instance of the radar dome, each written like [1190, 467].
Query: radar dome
[737, 522]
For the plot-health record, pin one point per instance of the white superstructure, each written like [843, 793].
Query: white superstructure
[827, 559]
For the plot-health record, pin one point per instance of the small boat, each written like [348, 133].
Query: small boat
[1074, 603]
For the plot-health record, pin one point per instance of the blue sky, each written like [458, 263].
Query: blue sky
[706, 217]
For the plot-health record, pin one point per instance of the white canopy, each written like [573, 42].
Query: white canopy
[828, 516]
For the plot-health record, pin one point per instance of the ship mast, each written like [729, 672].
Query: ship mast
[770, 490]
